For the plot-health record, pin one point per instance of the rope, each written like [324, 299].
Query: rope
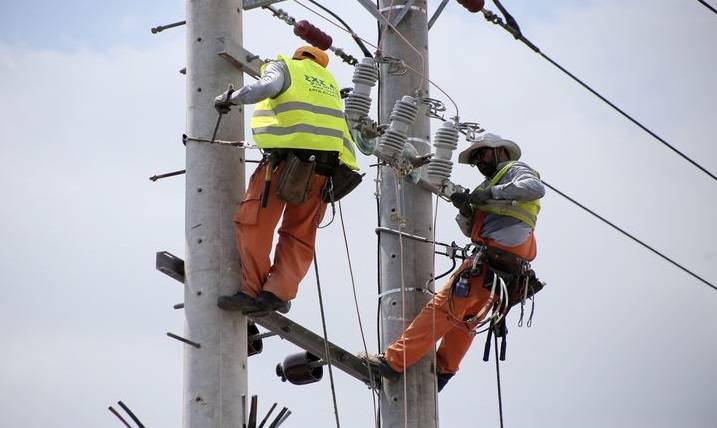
[598, 216]
[433, 315]
[493, 18]
[399, 213]
[497, 375]
[707, 6]
[358, 313]
[326, 342]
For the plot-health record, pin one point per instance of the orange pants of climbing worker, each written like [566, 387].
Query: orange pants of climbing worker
[443, 318]
[297, 234]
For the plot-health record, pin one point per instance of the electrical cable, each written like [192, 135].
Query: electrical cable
[358, 312]
[354, 36]
[423, 75]
[630, 236]
[708, 6]
[518, 35]
[326, 342]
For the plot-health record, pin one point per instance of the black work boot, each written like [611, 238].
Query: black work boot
[378, 364]
[238, 302]
[442, 379]
[268, 301]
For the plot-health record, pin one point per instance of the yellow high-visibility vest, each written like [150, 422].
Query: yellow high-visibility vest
[526, 211]
[307, 115]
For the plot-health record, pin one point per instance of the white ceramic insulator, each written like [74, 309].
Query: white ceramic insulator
[402, 117]
[445, 142]
[358, 103]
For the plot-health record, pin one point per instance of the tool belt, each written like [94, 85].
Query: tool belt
[521, 281]
[302, 164]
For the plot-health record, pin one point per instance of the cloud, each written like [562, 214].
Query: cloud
[620, 337]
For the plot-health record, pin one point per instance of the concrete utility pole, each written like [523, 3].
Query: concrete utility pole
[415, 211]
[215, 374]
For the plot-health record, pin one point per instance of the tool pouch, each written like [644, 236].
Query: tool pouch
[341, 184]
[523, 286]
[295, 180]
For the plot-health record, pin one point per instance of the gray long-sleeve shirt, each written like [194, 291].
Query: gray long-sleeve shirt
[273, 81]
[519, 183]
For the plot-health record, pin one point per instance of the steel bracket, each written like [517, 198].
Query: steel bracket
[170, 265]
[253, 4]
[242, 59]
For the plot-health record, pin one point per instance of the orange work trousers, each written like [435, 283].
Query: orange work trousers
[444, 317]
[297, 235]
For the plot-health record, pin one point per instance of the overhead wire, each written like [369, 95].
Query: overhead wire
[420, 74]
[604, 220]
[708, 6]
[356, 38]
[518, 35]
[358, 312]
[326, 342]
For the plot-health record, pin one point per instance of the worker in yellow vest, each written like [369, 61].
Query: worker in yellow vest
[500, 213]
[309, 156]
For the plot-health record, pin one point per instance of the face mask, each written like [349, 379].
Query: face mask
[487, 168]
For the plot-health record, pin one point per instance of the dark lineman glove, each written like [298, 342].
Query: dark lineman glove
[481, 196]
[462, 201]
[222, 103]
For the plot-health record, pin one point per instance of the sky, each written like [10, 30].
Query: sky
[93, 104]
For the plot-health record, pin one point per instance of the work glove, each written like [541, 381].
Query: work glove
[462, 201]
[481, 196]
[222, 103]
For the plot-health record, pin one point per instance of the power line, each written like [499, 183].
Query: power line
[601, 218]
[707, 6]
[495, 19]
[355, 36]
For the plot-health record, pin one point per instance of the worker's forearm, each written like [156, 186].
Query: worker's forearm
[268, 86]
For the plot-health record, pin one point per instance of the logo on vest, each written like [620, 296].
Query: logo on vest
[320, 86]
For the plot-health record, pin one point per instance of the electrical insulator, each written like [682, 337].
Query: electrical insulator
[402, 117]
[312, 35]
[445, 142]
[472, 5]
[358, 103]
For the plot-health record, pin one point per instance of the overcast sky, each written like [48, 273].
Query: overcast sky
[93, 104]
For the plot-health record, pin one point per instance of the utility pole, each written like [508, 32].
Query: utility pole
[215, 373]
[414, 211]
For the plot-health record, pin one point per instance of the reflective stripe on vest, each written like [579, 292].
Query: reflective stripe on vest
[526, 211]
[307, 115]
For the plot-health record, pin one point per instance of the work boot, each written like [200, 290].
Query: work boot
[268, 301]
[442, 379]
[238, 302]
[378, 364]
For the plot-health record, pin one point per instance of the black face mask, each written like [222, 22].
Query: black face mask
[487, 168]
